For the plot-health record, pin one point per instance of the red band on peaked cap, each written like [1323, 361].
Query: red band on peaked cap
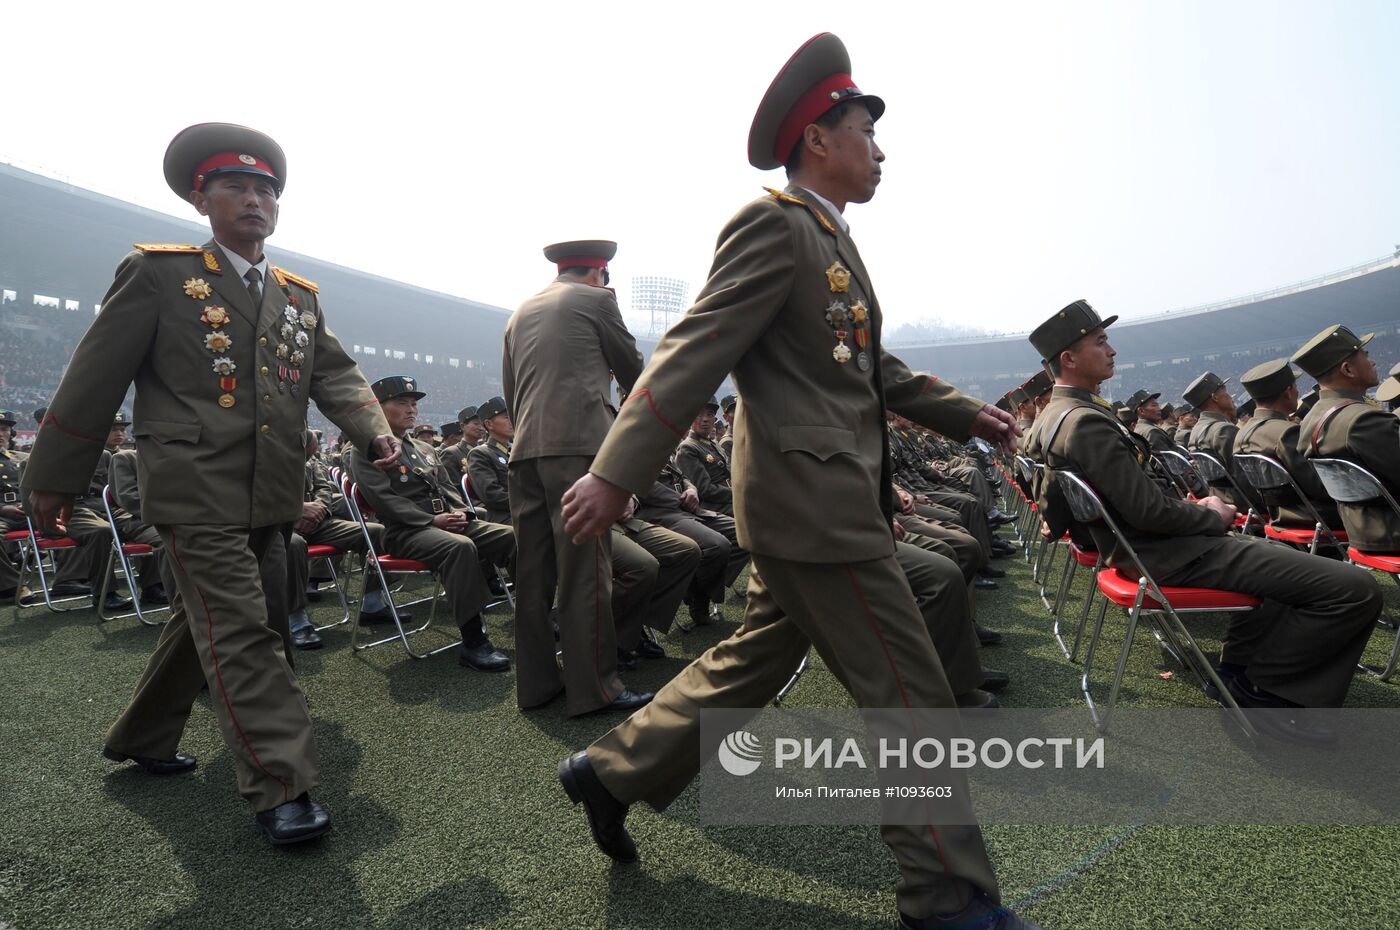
[827, 94]
[235, 161]
[582, 262]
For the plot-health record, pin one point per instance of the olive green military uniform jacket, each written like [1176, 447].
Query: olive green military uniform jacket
[1082, 435]
[126, 484]
[12, 465]
[488, 465]
[1214, 433]
[811, 471]
[1370, 437]
[704, 463]
[410, 494]
[561, 345]
[203, 461]
[1275, 435]
[1158, 439]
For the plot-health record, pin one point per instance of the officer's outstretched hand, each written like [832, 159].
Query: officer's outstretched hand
[997, 427]
[592, 506]
[51, 511]
[385, 451]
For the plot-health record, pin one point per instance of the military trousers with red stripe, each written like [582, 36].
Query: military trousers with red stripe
[219, 633]
[864, 622]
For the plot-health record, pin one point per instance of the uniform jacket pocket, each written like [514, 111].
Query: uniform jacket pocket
[168, 431]
[820, 441]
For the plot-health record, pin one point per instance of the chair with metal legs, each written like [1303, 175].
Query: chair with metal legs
[1271, 480]
[123, 553]
[34, 550]
[1163, 607]
[384, 565]
[1350, 483]
[507, 585]
[1214, 472]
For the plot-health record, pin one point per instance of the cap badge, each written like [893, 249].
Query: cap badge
[839, 277]
[247, 159]
[198, 288]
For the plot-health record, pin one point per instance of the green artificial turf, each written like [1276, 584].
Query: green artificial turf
[448, 814]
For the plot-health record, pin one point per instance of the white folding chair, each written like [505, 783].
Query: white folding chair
[1162, 606]
[1350, 483]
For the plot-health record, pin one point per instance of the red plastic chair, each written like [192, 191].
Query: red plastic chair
[1143, 596]
[33, 549]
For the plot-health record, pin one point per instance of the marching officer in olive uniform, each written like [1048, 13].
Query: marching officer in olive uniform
[790, 311]
[701, 460]
[11, 510]
[1300, 647]
[226, 351]
[489, 463]
[425, 519]
[562, 346]
[1342, 424]
[1271, 432]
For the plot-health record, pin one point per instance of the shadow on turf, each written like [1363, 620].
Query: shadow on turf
[239, 880]
[691, 903]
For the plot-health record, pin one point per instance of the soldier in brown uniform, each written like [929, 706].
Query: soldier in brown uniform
[489, 463]
[1215, 431]
[425, 519]
[562, 346]
[470, 432]
[701, 460]
[789, 309]
[1149, 421]
[1271, 432]
[225, 350]
[1300, 647]
[1342, 424]
[727, 405]
[11, 511]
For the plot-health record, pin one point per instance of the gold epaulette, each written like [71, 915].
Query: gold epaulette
[785, 197]
[165, 247]
[283, 276]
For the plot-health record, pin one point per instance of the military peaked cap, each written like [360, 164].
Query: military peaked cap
[396, 386]
[199, 152]
[1267, 381]
[491, 408]
[1066, 328]
[581, 253]
[1141, 397]
[1038, 384]
[1328, 349]
[1199, 391]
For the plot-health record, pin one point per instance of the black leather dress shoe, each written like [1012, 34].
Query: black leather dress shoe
[988, 571]
[296, 821]
[313, 593]
[980, 914]
[115, 602]
[985, 636]
[1278, 718]
[628, 700]
[484, 658]
[494, 583]
[626, 661]
[650, 649]
[154, 596]
[607, 815]
[306, 638]
[699, 610]
[993, 680]
[976, 699]
[997, 518]
[984, 583]
[383, 615]
[182, 763]
[70, 589]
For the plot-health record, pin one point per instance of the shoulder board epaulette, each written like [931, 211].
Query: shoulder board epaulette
[283, 276]
[785, 197]
[165, 247]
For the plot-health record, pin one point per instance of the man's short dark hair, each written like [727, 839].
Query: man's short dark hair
[1054, 365]
[827, 120]
[584, 270]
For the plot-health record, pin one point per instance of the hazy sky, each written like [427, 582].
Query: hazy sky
[1145, 156]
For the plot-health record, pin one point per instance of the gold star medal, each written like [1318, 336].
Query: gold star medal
[214, 316]
[198, 288]
[839, 277]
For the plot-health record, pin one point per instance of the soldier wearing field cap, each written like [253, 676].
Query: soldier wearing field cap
[1186, 418]
[1299, 648]
[1149, 420]
[790, 310]
[701, 460]
[468, 431]
[489, 463]
[1215, 429]
[563, 347]
[1274, 389]
[1023, 407]
[727, 404]
[1342, 424]
[226, 351]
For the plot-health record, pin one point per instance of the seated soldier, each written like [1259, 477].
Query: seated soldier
[674, 503]
[325, 521]
[90, 527]
[454, 457]
[1215, 431]
[488, 464]
[1186, 418]
[700, 460]
[1149, 421]
[11, 510]
[1300, 647]
[652, 570]
[729, 404]
[426, 519]
[1343, 425]
[1274, 389]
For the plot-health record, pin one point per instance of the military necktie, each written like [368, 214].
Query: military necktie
[254, 279]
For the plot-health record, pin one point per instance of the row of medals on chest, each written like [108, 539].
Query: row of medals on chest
[294, 331]
[847, 318]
